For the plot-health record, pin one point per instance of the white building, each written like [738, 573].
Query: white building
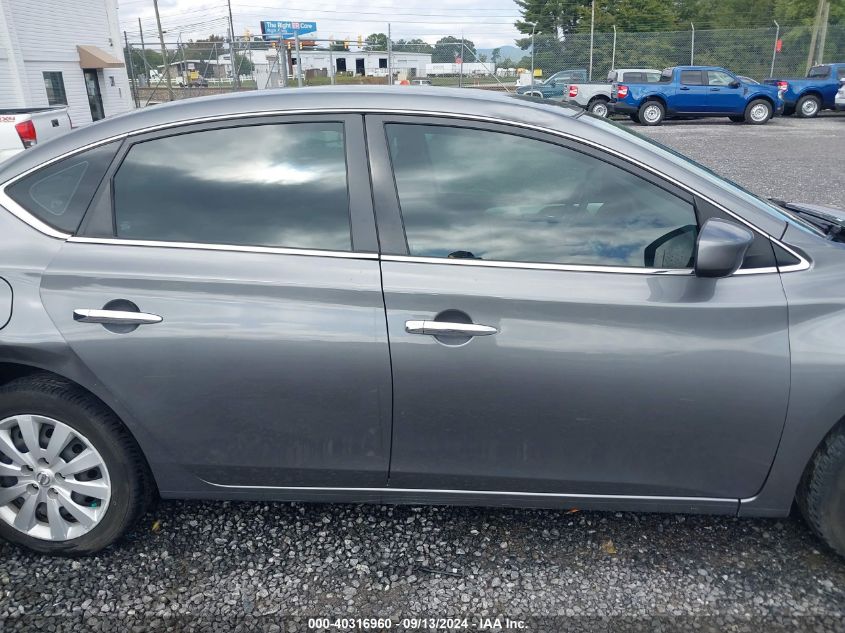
[366, 63]
[63, 52]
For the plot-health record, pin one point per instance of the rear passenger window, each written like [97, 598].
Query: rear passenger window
[691, 77]
[281, 185]
[60, 193]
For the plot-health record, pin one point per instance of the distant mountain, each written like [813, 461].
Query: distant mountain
[513, 53]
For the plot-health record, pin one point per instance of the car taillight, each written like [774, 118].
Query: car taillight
[573, 91]
[621, 92]
[782, 86]
[26, 130]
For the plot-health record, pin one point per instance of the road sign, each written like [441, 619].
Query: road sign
[286, 30]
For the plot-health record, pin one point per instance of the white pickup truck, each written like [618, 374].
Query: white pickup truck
[24, 127]
[594, 96]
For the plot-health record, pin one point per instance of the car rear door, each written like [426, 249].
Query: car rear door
[230, 298]
[547, 334]
[691, 94]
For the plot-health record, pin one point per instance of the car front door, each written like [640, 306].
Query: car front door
[250, 246]
[547, 334]
[725, 96]
[691, 95]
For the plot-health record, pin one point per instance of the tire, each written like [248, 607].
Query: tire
[47, 403]
[737, 119]
[651, 113]
[634, 117]
[821, 495]
[808, 107]
[598, 107]
[758, 112]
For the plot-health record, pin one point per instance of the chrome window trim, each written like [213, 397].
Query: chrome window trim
[537, 266]
[512, 493]
[273, 250]
[25, 216]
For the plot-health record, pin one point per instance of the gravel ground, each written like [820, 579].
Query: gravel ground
[258, 566]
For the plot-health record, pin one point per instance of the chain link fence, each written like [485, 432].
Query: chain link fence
[211, 67]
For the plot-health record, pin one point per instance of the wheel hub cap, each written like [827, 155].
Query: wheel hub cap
[759, 112]
[652, 113]
[809, 107]
[54, 485]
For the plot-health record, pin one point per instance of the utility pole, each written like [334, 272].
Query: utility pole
[144, 52]
[389, 57]
[461, 75]
[811, 54]
[236, 82]
[131, 63]
[592, 33]
[331, 61]
[298, 60]
[163, 53]
[823, 36]
[613, 56]
[533, 28]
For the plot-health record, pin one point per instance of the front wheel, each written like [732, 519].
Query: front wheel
[651, 113]
[72, 479]
[598, 107]
[821, 495]
[808, 107]
[758, 112]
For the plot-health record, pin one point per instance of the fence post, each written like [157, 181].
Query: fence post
[144, 53]
[592, 33]
[775, 48]
[389, 57]
[692, 46]
[132, 71]
[613, 57]
[331, 61]
[461, 69]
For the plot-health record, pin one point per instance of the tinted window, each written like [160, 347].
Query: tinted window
[60, 193]
[840, 74]
[718, 78]
[666, 75]
[262, 185]
[819, 72]
[477, 194]
[691, 77]
[55, 86]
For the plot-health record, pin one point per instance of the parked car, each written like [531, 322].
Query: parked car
[817, 91]
[553, 87]
[199, 82]
[636, 334]
[696, 91]
[22, 128]
[839, 101]
[594, 96]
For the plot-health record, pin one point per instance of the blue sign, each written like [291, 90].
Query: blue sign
[272, 29]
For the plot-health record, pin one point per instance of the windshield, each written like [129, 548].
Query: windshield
[705, 172]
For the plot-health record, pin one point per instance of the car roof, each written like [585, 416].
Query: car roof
[429, 100]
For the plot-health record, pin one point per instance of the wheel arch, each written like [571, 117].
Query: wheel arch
[12, 370]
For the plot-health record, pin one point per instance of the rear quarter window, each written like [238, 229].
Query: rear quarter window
[59, 193]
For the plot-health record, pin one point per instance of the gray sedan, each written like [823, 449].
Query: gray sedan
[372, 295]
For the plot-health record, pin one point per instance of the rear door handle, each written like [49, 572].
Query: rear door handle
[115, 317]
[684, 88]
[714, 89]
[444, 328]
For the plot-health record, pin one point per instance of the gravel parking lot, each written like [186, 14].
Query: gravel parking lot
[258, 566]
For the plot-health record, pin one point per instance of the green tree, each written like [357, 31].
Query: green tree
[138, 66]
[448, 48]
[495, 56]
[375, 42]
[413, 46]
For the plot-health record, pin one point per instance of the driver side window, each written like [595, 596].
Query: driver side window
[468, 193]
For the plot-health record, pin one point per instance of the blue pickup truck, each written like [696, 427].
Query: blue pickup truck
[806, 97]
[696, 91]
[554, 86]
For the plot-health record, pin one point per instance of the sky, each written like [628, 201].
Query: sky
[488, 23]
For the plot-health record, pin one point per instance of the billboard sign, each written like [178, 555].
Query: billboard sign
[274, 29]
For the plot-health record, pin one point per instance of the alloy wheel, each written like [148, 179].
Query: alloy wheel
[809, 107]
[54, 485]
[759, 112]
[599, 109]
[651, 114]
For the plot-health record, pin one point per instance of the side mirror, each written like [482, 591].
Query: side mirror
[735, 84]
[720, 248]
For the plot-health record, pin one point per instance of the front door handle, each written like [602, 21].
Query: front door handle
[114, 317]
[684, 88]
[444, 328]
